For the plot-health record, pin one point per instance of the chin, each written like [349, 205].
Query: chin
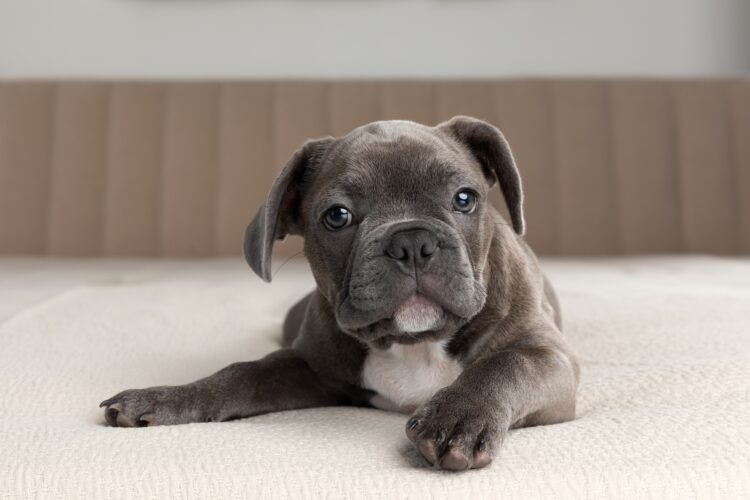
[417, 319]
[418, 314]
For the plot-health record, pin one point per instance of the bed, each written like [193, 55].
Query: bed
[663, 405]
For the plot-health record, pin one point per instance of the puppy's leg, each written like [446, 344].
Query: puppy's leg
[280, 381]
[463, 425]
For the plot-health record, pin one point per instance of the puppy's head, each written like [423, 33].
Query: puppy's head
[396, 222]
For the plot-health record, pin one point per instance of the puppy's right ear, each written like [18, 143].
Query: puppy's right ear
[279, 214]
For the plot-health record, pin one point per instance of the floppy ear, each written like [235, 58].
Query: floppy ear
[279, 213]
[488, 145]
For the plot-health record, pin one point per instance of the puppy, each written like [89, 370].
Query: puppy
[427, 302]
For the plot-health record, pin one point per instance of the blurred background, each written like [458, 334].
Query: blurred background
[373, 38]
[155, 127]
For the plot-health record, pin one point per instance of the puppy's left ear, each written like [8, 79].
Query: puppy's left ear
[279, 215]
[489, 147]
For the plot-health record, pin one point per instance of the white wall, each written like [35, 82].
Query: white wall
[329, 38]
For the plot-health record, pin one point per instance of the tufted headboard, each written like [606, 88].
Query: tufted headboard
[178, 168]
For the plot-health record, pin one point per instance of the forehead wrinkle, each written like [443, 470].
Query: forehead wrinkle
[395, 173]
[396, 161]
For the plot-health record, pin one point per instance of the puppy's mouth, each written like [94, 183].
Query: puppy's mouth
[412, 315]
[418, 317]
[418, 314]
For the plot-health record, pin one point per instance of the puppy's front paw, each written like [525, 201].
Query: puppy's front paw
[453, 432]
[155, 406]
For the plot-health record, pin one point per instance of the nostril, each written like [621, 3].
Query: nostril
[428, 249]
[397, 252]
[427, 245]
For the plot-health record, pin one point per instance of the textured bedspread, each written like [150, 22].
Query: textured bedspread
[664, 400]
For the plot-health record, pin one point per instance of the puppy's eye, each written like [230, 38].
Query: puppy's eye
[465, 201]
[337, 217]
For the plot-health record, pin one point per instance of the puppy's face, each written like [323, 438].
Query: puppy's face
[396, 232]
[396, 224]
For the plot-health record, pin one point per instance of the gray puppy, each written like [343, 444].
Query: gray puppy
[427, 301]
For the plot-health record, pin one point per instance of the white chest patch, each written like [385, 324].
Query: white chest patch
[407, 376]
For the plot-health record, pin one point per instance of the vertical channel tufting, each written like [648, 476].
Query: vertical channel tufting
[464, 98]
[133, 213]
[524, 114]
[709, 201]
[739, 105]
[26, 121]
[408, 100]
[588, 221]
[190, 170]
[79, 174]
[644, 162]
[136, 168]
[353, 104]
[246, 153]
[611, 170]
[301, 112]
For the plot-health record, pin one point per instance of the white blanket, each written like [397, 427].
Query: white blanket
[663, 405]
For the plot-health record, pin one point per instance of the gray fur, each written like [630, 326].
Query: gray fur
[500, 317]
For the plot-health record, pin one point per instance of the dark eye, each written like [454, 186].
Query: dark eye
[337, 218]
[465, 201]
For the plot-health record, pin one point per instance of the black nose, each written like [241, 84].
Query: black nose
[412, 248]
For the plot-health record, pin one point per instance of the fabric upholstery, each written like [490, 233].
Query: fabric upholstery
[177, 169]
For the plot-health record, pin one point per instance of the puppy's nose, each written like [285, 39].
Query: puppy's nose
[412, 248]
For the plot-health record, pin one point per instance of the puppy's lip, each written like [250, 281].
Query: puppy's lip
[416, 305]
[353, 320]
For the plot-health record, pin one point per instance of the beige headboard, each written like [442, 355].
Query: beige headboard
[178, 168]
